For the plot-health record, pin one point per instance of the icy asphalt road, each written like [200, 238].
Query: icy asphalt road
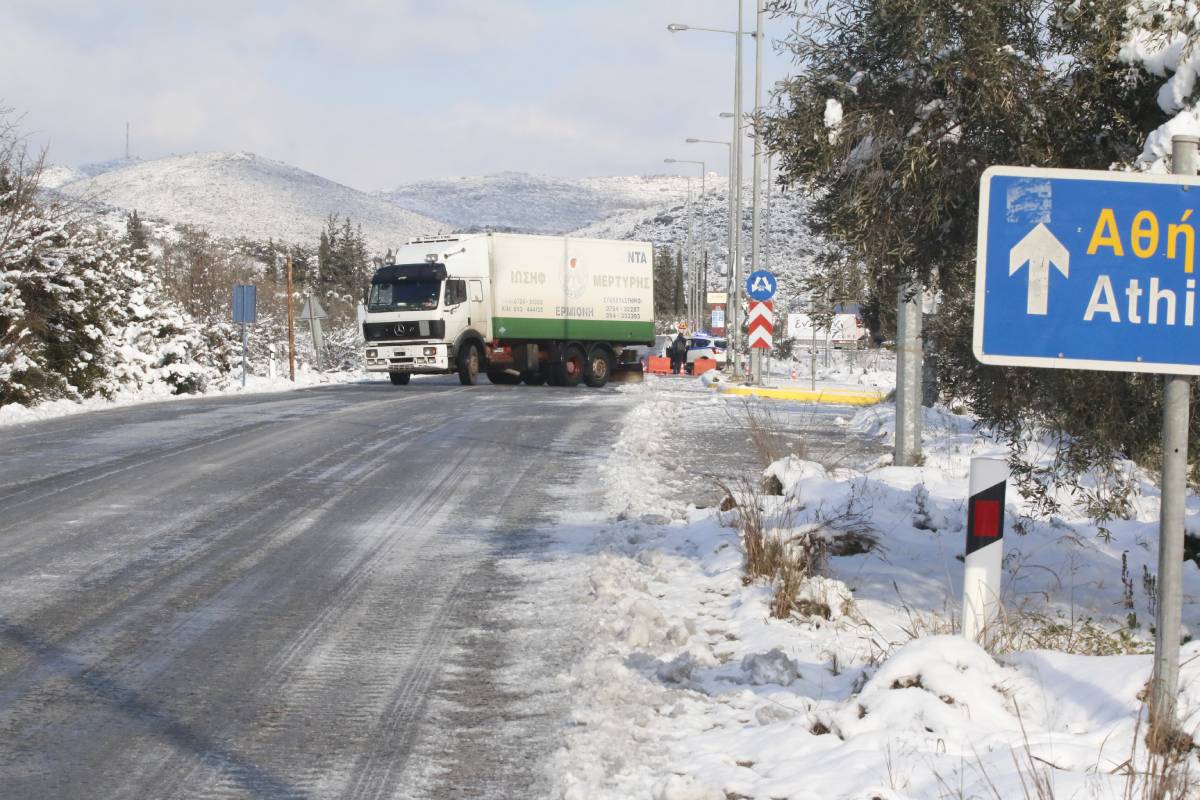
[297, 595]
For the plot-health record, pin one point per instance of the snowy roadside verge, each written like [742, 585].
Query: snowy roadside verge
[15, 414]
[692, 689]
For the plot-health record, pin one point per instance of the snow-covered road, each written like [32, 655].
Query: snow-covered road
[325, 593]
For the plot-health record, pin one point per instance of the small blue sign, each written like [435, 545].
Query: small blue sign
[245, 306]
[1085, 269]
[760, 285]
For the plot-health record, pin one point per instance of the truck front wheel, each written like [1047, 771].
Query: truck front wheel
[599, 367]
[468, 364]
[570, 371]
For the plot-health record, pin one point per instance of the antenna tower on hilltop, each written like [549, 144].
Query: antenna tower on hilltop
[126, 141]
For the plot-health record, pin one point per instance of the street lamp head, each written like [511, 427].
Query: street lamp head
[692, 141]
[726, 115]
[675, 27]
[668, 161]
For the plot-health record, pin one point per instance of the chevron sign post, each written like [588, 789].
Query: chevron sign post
[761, 323]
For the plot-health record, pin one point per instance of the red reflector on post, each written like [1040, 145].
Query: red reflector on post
[987, 519]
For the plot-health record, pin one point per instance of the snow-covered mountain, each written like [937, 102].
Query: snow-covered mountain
[788, 247]
[54, 176]
[243, 195]
[534, 203]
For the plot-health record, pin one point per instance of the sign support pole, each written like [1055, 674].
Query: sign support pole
[245, 347]
[1177, 391]
[291, 326]
[908, 376]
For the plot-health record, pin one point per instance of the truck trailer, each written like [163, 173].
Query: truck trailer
[539, 309]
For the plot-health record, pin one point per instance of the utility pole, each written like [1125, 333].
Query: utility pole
[756, 192]
[291, 326]
[691, 261]
[702, 262]
[126, 141]
[735, 316]
[1177, 391]
[908, 375]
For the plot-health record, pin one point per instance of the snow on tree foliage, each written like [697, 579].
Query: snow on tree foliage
[81, 314]
[929, 94]
[1164, 39]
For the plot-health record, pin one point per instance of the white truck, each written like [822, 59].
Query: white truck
[538, 309]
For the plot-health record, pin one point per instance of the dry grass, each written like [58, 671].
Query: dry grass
[1166, 774]
[769, 437]
[776, 550]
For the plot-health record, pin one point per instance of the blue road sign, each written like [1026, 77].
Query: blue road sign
[1087, 270]
[760, 285]
[245, 308]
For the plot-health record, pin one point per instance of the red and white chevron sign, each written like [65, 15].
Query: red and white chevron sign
[761, 323]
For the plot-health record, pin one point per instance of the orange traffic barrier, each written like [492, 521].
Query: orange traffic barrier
[703, 365]
[657, 365]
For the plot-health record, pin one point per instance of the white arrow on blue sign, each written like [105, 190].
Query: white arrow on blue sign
[760, 285]
[1087, 270]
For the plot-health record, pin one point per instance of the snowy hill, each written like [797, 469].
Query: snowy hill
[787, 250]
[534, 203]
[244, 195]
[55, 176]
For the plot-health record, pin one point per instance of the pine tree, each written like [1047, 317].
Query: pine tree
[135, 233]
[680, 296]
[664, 284]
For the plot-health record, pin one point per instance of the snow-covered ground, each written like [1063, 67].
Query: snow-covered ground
[693, 690]
[16, 414]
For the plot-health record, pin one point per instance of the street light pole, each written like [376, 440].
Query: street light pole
[736, 280]
[755, 227]
[729, 246]
[695, 270]
[733, 316]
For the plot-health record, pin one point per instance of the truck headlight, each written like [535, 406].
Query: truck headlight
[431, 351]
[372, 354]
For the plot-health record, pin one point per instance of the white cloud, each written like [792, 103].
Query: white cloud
[375, 92]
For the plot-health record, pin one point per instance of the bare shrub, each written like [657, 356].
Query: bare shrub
[768, 435]
[776, 550]
[1166, 774]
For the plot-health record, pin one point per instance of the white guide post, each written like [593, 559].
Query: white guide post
[985, 547]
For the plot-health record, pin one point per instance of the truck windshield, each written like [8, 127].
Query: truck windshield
[403, 295]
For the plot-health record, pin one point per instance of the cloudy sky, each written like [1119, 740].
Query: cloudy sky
[375, 93]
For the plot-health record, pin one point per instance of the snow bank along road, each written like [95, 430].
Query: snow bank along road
[297, 595]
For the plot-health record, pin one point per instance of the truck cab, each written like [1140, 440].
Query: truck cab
[426, 312]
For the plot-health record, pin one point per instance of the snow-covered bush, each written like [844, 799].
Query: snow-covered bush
[81, 312]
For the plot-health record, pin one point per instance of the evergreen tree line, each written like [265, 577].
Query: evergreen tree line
[82, 313]
[86, 312]
[930, 93]
[670, 300]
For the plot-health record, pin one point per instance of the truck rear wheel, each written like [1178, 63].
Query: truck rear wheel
[598, 368]
[468, 364]
[503, 378]
[570, 372]
[400, 378]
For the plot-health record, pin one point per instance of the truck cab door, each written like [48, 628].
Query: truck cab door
[455, 308]
[480, 320]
